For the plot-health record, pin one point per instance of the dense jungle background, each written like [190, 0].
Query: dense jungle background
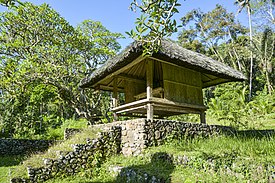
[43, 59]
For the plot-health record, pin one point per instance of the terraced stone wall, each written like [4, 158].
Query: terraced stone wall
[83, 156]
[23, 146]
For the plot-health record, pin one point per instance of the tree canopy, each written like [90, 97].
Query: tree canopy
[43, 60]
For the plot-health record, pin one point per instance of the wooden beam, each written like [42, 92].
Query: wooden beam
[149, 89]
[133, 115]
[172, 103]
[159, 60]
[108, 88]
[202, 117]
[134, 62]
[132, 109]
[129, 105]
[150, 112]
[131, 78]
[174, 109]
[115, 97]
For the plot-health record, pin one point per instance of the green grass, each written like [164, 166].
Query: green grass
[234, 159]
[7, 165]
[36, 160]
[264, 123]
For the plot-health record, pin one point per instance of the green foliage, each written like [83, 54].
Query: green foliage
[204, 32]
[265, 49]
[154, 23]
[100, 44]
[218, 34]
[9, 3]
[57, 133]
[231, 107]
[229, 104]
[43, 58]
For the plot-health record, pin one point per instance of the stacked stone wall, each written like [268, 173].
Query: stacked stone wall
[23, 146]
[157, 131]
[138, 134]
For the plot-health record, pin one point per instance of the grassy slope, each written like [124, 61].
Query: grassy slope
[243, 156]
[36, 160]
[223, 149]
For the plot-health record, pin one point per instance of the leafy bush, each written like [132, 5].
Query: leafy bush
[229, 105]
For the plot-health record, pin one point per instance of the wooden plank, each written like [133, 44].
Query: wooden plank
[149, 77]
[175, 66]
[129, 88]
[132, 109]
[108, 88]
[133, 115]
[134, 62]
[159, 60]
[183, 93]
[172, 103]
[175, 109]
[115, 93]
[181, 75]
[129, 105]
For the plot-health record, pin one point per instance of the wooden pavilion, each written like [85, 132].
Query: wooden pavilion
[169, 82]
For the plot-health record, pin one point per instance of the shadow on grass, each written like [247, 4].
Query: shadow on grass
[6, 161]
[158, 170]
[258, 134]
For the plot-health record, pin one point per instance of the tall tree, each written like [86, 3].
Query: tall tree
[265, 49]
[246, 4]
[264, 14]
[205, 32]
[43, 58]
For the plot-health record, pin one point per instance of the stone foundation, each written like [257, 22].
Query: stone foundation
[138, 134]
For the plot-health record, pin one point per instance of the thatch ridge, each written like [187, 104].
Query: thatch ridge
[170, 51]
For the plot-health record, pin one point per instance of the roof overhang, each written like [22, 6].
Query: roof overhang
[171, 53]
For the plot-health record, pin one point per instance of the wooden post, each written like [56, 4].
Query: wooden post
[202, 116]
[149, 89]
[115, 97]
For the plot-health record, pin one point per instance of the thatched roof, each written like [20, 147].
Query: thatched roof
[171, 52]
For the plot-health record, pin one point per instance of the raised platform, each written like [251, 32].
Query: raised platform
[161, 107]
